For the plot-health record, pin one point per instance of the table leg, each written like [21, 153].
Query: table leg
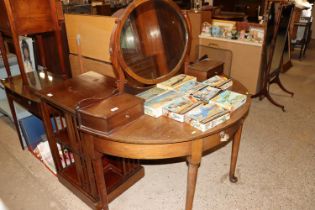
[15, 120]
[235, 149]
[96, 158]
[193, 165]
[100, 181]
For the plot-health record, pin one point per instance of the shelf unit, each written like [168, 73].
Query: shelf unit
[79, 175]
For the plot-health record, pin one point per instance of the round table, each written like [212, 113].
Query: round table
[163, 138]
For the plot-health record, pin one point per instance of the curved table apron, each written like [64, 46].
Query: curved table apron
[163, 138]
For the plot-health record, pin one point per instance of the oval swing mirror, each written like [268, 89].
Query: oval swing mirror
[151, 41]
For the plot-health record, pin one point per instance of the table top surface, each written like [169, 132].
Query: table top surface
[68, 94]
[145, 129]
[37, 82]
[163, 130]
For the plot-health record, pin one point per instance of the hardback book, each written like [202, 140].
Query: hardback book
[206, 94]
[44, 152]
[230, 100]
[219, 82]
[179, 107]
[186, 87]
[154, 107]
[205, 117]
[32, 129]
[148, 94]
[175, 82]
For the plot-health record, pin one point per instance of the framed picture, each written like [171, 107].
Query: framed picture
[27, 50]
[28, 56]
[257, 34]
[224, 24]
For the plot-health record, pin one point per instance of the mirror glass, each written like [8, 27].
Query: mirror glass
[271, 25]
[281, 38]
[154, 39]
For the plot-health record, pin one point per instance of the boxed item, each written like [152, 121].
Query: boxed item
[205, 94]
[152, 92]
[179, 107]
[205, 117]
[154, 107]
[219, 82]
[230, 100]
[175, 82]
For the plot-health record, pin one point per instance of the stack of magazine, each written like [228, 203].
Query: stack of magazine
[202, 105]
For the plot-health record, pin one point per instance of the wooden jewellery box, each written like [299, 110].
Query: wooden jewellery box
[104, 115]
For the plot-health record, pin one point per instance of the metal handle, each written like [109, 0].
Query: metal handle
[224, 136]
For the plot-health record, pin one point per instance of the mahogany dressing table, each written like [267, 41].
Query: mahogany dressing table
[150, 45]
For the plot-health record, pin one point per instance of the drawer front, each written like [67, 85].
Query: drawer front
[211, 43]
[29, 105]
[221, 137]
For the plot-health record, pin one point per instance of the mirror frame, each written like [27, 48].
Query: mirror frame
[119, 64]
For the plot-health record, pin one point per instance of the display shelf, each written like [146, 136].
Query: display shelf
[70, 174]
[62, 138]
[115, 181]
[116, 170]
[205, 36]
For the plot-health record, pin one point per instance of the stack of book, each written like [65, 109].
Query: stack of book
[202, 105]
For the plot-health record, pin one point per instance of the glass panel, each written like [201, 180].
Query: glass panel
[281, 38]
[153, 39]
